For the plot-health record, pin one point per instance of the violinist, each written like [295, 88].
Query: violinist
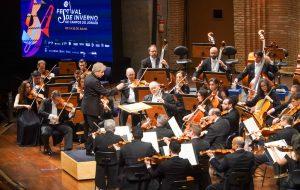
[45, 74]
[28, 122]
[129, 155]
[230, 113]
[77, 75]
[181, 86]
[210, 64]
[240, 160]
[91, 105]
[55, 116]
[157, 95]
[128, 97]
[201, 171]
[267, 69]
[153, 61]
[37, 83]
[216, 135]
[83, 67]
[173, 169]
[101, 144]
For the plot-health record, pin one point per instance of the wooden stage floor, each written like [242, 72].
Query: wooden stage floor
[35, 171]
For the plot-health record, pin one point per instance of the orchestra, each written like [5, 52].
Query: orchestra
[214, 126]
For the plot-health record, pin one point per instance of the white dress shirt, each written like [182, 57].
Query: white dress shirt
[214, 65]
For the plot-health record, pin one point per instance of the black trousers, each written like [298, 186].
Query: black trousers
[112, 176]
[65, 130]
[89, 128]
[124, 116]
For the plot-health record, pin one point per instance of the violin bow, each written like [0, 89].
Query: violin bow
[38, 92]
[65, 105]
[176, 84]
[142, 75]
[50, 71]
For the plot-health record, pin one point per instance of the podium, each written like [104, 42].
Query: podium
[222, 77]
[159, 75]
[140, 93]
[190, 101]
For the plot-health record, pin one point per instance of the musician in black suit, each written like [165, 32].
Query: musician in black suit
[252, 70]
[230, 113]
[162, 128]
[236, 161]
[210, 64]
[103, 143]
[216, 134]
[200, 171]
[54, 119]
[128, 97]
[157, 95]
[173, 169]
[153, 61]
[129, 155]
[91, 105]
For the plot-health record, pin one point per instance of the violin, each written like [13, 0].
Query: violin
[205, 122]
[119, 144]
[62, 104]
[148, 124]
[224, 112]
[139, 83]
[268, 131]
[105, 102]
[155, 159]
[33, 95]
[217, 151]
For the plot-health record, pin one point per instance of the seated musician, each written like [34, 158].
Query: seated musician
[236, 161]
[217, 94]
[252, 70]
[77, 75]
[201, 171]
[45, 74]
[37, 83]
[79, 88]
[103, 143]
[162, 127]
[216, 134]
[54, 119]
[157, 95]
[182, 86]
[292, 162]
[129, 155]
[128, 97]
[173, 169]
[153, 61]
[230, 113]
[83, 67]
[210, 64]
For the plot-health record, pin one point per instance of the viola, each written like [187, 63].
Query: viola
[155, 159]
[119, 144]
[217, 151]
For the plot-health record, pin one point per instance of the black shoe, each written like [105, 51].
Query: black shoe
[47, 150]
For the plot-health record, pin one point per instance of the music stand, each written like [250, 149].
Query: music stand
[74, 98]
[189, 101]
[78, 116]
[63, 79]
[67, 67]
[61, 87]
[244, 112]
[156, 109]
[222, 77]
[140, 93]
[159, 75]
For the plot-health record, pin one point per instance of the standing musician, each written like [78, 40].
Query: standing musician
[173, 169]
[91, 105]
[268, 69]
[54, 119]
[236, 161]
[230, 113]
[210, 64]
[201, 171]
[37, 83]
[216, 134]
[102, 143]
[153, 61]
[41, 67]
[128, 97]
[157, 95]
[129, 155]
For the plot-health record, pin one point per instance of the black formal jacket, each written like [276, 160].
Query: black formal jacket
[171, 170]
[233, 117]
[285, 133]
[124, 93]
[217, 133]
[170, 103]
[200, 145]
[163, 131]
[234, 161]
[206, 66]
[46, 109]
[130, 152]
[146, 63]
[267, 70]
[93, 89]
[103, 141]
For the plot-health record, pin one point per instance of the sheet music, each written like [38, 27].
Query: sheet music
[187, 152]
[151, 137]
[124, 132]
[252, 128]
[135, 108]
[274, 152]
[175, 127]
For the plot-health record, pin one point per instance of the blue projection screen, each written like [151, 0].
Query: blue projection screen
[72, 29]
